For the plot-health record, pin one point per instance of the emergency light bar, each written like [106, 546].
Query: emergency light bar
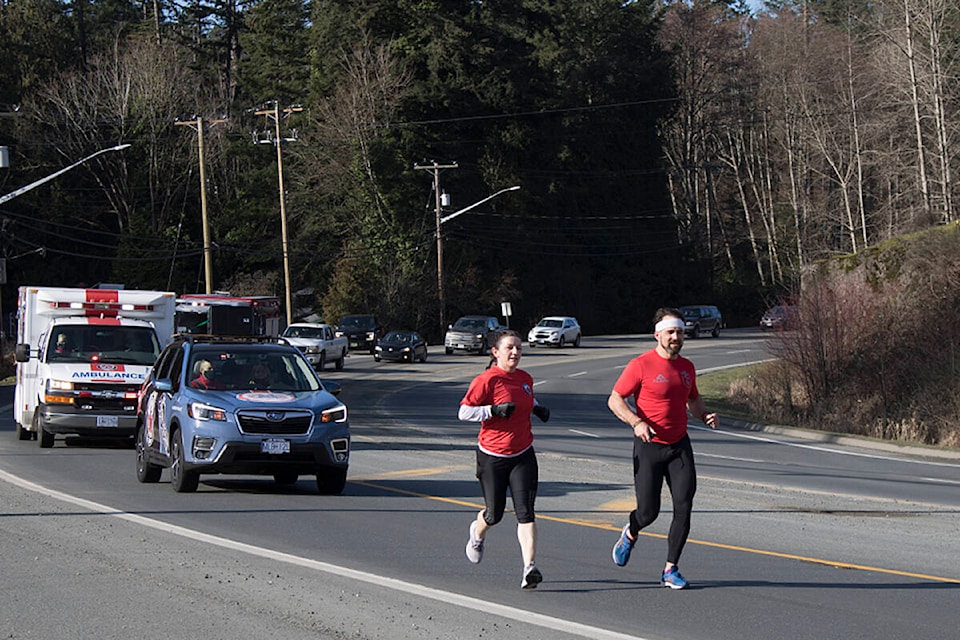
[101, 306]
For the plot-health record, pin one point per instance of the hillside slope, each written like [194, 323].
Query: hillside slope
[877, 350]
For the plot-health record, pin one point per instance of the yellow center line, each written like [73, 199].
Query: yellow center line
[408, 473]
[705, 543]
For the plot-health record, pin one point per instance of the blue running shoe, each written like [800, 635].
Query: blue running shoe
[673, 579]
[621, 550]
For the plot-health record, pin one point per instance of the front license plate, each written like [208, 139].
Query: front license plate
[275, 446]
[107, 421]
[354, 344]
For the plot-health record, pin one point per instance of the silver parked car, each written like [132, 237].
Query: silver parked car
[783, 317]
[558, 331]
[471, 333]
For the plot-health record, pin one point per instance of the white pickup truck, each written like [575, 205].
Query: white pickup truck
[318, 343]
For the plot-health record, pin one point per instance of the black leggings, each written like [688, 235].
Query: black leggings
[652, 463]
[519, 473]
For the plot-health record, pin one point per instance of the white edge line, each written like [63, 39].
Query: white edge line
[811, 447]
[941, 480]
[734, 366]
[584, 433]
[483, 606]
[700, 454]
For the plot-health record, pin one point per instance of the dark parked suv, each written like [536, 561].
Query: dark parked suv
[362, 331]
[698, 319]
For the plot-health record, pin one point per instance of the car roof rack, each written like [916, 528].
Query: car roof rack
[209, 338]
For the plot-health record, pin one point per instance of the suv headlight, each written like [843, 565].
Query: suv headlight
[201, 411]
[334, 414]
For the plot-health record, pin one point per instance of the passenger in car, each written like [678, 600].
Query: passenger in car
[206, 376]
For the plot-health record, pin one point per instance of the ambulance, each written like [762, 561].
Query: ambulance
[82, 355]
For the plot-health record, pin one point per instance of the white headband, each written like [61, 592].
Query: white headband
[668, 323]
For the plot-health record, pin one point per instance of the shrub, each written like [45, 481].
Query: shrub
[877, 348]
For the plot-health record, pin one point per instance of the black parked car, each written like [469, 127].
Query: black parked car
[361, 331]
[406, 346]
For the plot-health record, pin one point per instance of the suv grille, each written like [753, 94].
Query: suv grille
[275, 422]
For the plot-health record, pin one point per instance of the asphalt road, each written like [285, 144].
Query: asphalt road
[792, 537]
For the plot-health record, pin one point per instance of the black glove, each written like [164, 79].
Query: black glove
[502, 410]
[541, 412]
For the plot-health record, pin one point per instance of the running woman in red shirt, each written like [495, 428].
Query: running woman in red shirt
[501, 399]
[663, 386]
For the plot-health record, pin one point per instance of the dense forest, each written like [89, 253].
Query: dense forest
[666, 152]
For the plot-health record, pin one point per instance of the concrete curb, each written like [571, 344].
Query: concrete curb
[827, 437]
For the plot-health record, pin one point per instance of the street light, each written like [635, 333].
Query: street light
[476, 204]
[440, 221]
[32, 185]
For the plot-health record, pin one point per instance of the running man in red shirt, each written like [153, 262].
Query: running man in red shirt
[663, 386]
[501, 399]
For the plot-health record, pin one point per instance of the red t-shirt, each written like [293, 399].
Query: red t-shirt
[202, 382]
[661, 389]
[503, 436]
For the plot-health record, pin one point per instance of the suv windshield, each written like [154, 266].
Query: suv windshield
[243, 369]
[357, 322]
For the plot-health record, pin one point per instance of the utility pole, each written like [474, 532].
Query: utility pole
[207, 254]
[275, 114]
[435, 167]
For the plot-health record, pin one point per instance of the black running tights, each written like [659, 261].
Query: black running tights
[519, 474]
[652, 464]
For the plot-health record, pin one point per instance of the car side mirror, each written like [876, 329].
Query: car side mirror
[332, 387]
[163, 384]
[22, 352]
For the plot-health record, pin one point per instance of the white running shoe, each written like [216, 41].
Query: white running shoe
[474, 545]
